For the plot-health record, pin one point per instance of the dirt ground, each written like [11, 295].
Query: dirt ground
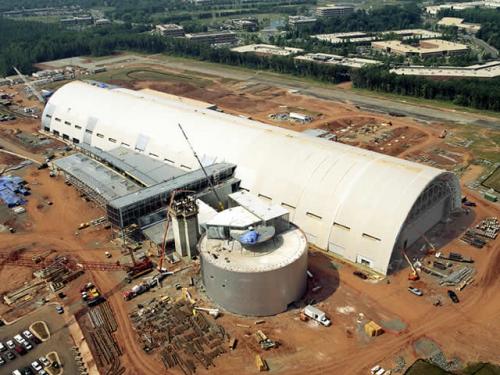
[467, 330]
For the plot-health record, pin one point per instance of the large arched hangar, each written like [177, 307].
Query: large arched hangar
[357, 203]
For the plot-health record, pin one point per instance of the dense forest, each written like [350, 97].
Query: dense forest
[476, 93]
[488, 18]
[25, 43]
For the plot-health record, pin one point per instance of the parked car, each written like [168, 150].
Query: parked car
[44, 361]
[10, 356]
[59, 309]
[36, 366]
[16, 372]
[27, 345]
[2, 347]
[453, 296]
[415, 291]
[27, 371]
[10, 344]
[2, 361]
[20, 350]
[19, 339]
[35, 340]
[27, 334]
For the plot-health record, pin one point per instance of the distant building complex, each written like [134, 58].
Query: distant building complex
[434, 9]
[427, 48]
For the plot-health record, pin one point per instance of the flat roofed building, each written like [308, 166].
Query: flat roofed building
[427, 48]
[213, 37]
[170, 30]
[435, 9]
[324, 58]
[267, 49]
[487, 70]
[301, 21]
[359, 37]
[459, 23]
[334, 10]
[359, 204]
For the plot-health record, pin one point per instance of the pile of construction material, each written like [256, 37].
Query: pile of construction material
[184, 338]
[106, 349]
[459, 278]
[486, 230]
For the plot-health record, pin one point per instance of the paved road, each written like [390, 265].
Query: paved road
[60, 340]
[490, 49]
[421, 113]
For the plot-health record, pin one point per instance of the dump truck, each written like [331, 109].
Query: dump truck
[316, 314]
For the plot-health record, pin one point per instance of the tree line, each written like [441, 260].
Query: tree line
[468, 92]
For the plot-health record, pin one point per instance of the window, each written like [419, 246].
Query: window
[65, 136]
[112, 140]
[151, 154]
[125, 144]
[46, 128]
[371, 237]
[67, 123]
[48, 116]
[88, 131]
[58, 119]
[169, 161]
[185, 167]
[78, 126]
[76, 140]
[289, 206]
[310, 214]
[100, 135]
[342, 226]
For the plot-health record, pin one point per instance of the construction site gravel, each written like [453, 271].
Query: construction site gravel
[449, 334]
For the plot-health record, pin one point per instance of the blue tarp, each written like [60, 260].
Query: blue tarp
[249, 238]
[10, 186]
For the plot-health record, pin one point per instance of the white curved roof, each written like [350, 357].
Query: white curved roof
[326, 182]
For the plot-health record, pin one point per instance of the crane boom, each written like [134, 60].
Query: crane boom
[221, 205]
[30, 86]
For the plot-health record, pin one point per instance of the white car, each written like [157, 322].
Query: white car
[27, 334]
[10, 344]
[44, 361]
[36, 366]
[415, 291]
[2, 347]
[19, 339]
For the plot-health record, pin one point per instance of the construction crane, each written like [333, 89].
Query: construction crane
[30, 86]
[221, 205]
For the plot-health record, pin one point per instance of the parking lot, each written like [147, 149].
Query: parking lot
[60, 341]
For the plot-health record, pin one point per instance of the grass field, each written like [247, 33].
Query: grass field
[493, 180]
[134, 74]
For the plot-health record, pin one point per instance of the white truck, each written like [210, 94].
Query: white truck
[316, 314]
